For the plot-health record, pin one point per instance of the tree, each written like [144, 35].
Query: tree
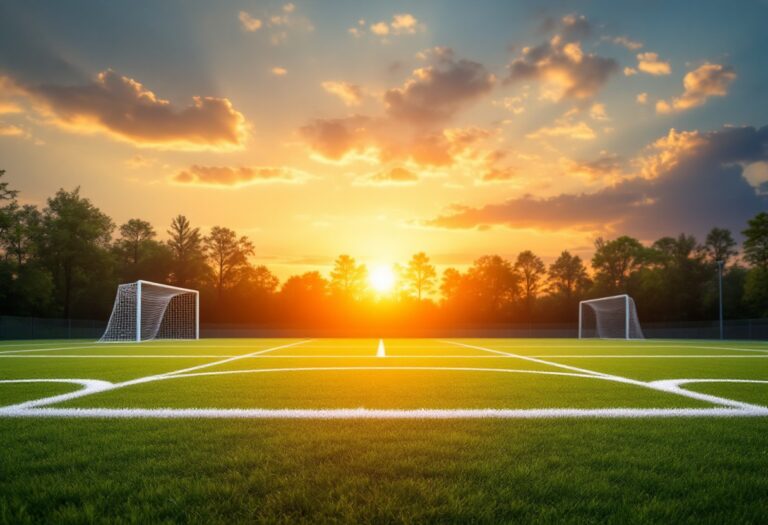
[6, 195]
[134, 236]
[756, 242]
[720, 246]
[348, 279]
[22, 225]
[568, 276]
[493, 282]
[614, 261]
[420, 275]
[228, 255]
[530, 270]
[186, 246]
[74, 241]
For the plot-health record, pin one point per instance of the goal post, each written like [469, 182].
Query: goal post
[145, 311]
[613, 317]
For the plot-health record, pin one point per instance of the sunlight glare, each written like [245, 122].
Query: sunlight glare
[382, 279]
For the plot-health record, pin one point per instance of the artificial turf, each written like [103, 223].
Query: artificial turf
[580, 470]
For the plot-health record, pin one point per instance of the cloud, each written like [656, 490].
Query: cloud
[437, 91]
[604, 168]
[642, 98]
[124, 109]
[632, 45]
[650, 63]
[379, 140]
[702, 187]
[9, 130]
[629, 71]
[248, 22]
[401, 24]
[394, 176]
[277, 24]
[564, 127]
[412, 131]
[350, 94]
[566, 71]
[708, 80]
[232, 177]
[279, 71]
[494, 174]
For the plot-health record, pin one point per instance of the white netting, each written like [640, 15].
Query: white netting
[609, 318]
[166, 313]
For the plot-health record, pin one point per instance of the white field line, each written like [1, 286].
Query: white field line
[716, 400]
[213, 356]
[113, 386]
[364, 413]
[99, 346]
[381, 351]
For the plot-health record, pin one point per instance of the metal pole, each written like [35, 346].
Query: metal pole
[626, 317]
[197, 315]
[720, 294]
[138, 311]
[580, 303]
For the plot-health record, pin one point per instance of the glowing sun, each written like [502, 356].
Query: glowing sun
[382, 279]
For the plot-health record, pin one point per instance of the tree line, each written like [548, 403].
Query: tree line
[66, 259]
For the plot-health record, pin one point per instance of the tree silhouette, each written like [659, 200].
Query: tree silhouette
[186, 244]
[530, 270]
[348, 279]
[568, 276]
[420, 275]
[134, 235]
[74, 239]
[720, 246]
[614, 261]
[756, 242]
[229, 256]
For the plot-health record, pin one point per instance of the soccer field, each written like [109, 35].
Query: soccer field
[358, 430]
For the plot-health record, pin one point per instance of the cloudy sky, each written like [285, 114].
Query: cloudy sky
[381, 129]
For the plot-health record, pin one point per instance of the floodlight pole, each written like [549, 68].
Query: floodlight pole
[720, 294]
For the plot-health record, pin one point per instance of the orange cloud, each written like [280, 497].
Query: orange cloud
[561, 64]
[708, 80]
[650, 63]
[225, 176]
[395, 176]
[437, 91]
[248, 22]
[124, 109]
[279, 71]
[350, 94]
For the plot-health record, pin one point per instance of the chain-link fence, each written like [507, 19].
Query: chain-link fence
[12, 328]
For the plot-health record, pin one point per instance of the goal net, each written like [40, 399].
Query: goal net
[144, 311]
[612, 317]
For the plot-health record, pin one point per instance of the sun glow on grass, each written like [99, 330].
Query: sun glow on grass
[382, 279]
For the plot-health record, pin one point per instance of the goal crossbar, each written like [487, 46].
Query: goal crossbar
[615, 317]
[145, 310]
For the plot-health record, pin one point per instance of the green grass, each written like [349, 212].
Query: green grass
[384, 471]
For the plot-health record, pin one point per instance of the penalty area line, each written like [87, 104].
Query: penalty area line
[365, 413]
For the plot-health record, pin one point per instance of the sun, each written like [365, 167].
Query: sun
[382, 279]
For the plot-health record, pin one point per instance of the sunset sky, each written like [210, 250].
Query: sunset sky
[382, 129]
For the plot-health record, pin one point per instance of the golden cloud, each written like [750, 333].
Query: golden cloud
[650, 63]
[708, 80]
[232, 177]
[124, 109]
[350, 94]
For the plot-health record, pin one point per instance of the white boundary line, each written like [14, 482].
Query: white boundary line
[716, 400]
[113, 386]
[364, 413]
[213, 356]
[31, 408]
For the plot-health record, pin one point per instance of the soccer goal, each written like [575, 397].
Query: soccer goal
[144, 311]
[612, 317]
